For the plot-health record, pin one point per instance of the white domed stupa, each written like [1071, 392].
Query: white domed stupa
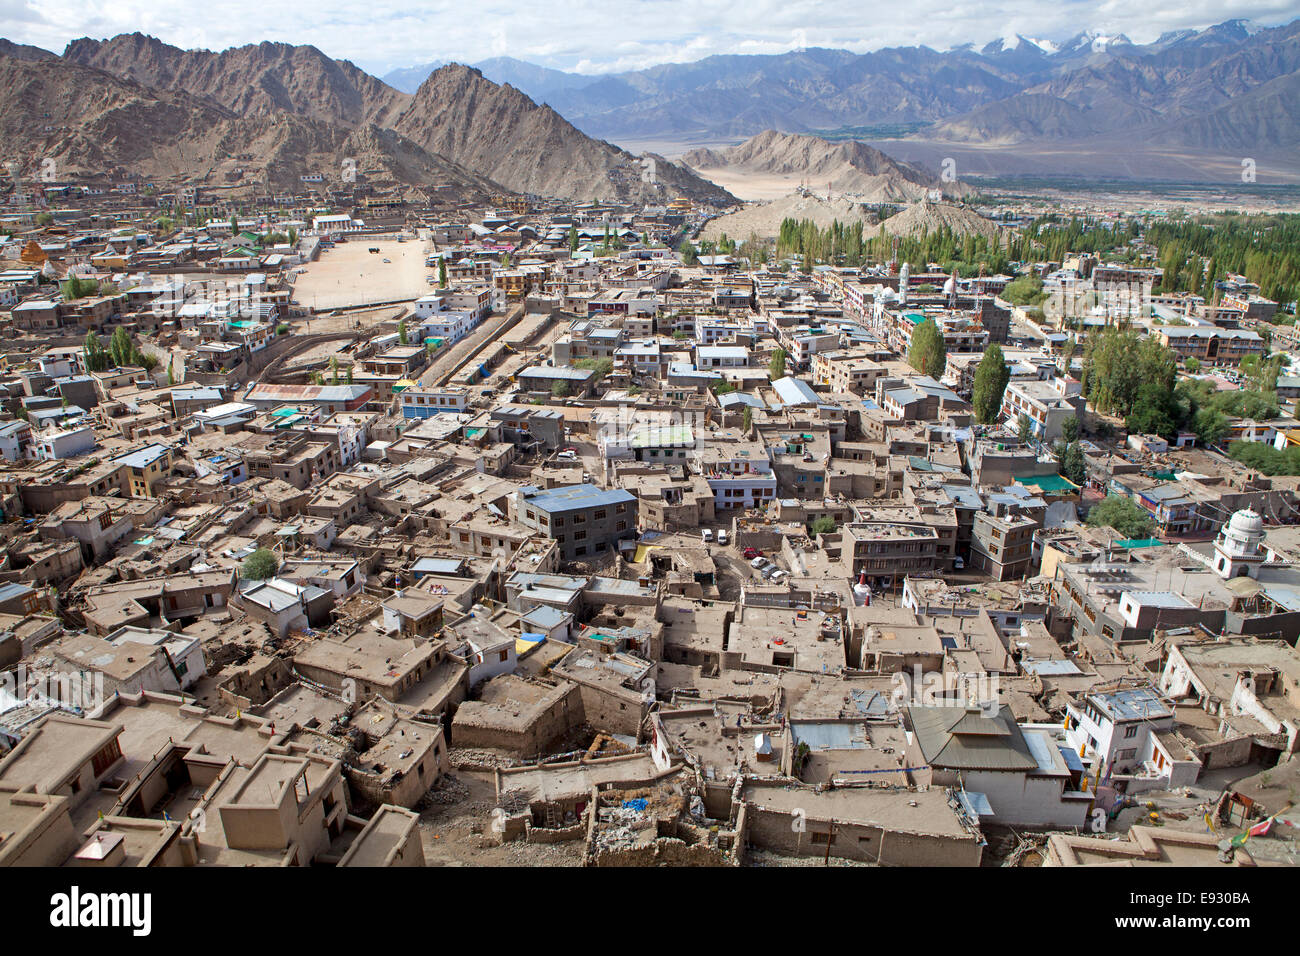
[1238, 550]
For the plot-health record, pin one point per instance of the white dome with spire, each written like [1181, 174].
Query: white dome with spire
[1237, 550]
[1248, 523]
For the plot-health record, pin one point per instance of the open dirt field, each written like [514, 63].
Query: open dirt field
[756, 187]
[348, 275]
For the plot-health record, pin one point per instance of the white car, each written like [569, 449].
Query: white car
[707, 535]
[778, 576]
[722, 537]
[758, 562]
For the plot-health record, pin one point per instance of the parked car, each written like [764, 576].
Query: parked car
[778, 576]
[770, 570]
[707, 535]
[753, 553]
[758, 562]
[722, 537]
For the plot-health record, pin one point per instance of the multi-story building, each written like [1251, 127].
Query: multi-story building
[1047, 405]
[1001, 542]
[1211, 344]
[582, 519]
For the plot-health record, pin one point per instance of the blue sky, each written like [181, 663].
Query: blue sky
[598, 36]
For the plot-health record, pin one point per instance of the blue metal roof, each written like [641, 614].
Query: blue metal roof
[575, 497]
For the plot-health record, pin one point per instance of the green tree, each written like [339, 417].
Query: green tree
[442, 273]
[1026, 290]
[822, 525]
[601, 366]
[293, 235]
[1024, 428]
[1121, 514]
[1117, 364]
[401, 332]
[747, 419]
[171, 375]
[260, 565]
[927, 352]
[1211, 426]
[991, 378]
[1071, 463]
[573, 238]
[1193, 364]
[560, 389]
[120, 346]
[96, 357]
[1070, 430]
[1266, 458]
[44, 219]
[776, 367]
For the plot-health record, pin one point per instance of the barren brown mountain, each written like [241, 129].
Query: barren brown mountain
[301, 111]
[850, 168]
[100, 126]
[249, 79]
[503, 134]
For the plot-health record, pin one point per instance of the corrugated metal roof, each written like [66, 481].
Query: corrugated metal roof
[963, 738]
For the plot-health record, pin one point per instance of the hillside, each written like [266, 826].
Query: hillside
[929, 217]
[248, 79]
[849, 167]
[305, 112]
[100, 126]
[764, 219]
[502, 134]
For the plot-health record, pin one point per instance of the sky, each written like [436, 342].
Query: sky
[602, 36]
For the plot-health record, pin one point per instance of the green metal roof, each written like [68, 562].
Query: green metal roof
[1048, 483]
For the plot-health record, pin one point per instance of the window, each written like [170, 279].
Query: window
[505, 656]
[1126, 754]
[1131, 731]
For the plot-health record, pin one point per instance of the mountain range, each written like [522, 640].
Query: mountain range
[273, 112]
[1227, 88]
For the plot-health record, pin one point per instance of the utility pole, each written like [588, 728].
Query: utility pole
[830, 835]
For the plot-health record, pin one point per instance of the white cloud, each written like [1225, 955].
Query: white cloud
[595, 36]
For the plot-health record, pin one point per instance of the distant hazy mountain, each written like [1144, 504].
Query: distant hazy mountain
[1222, 89]
[408, 79]
[1015, 89]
